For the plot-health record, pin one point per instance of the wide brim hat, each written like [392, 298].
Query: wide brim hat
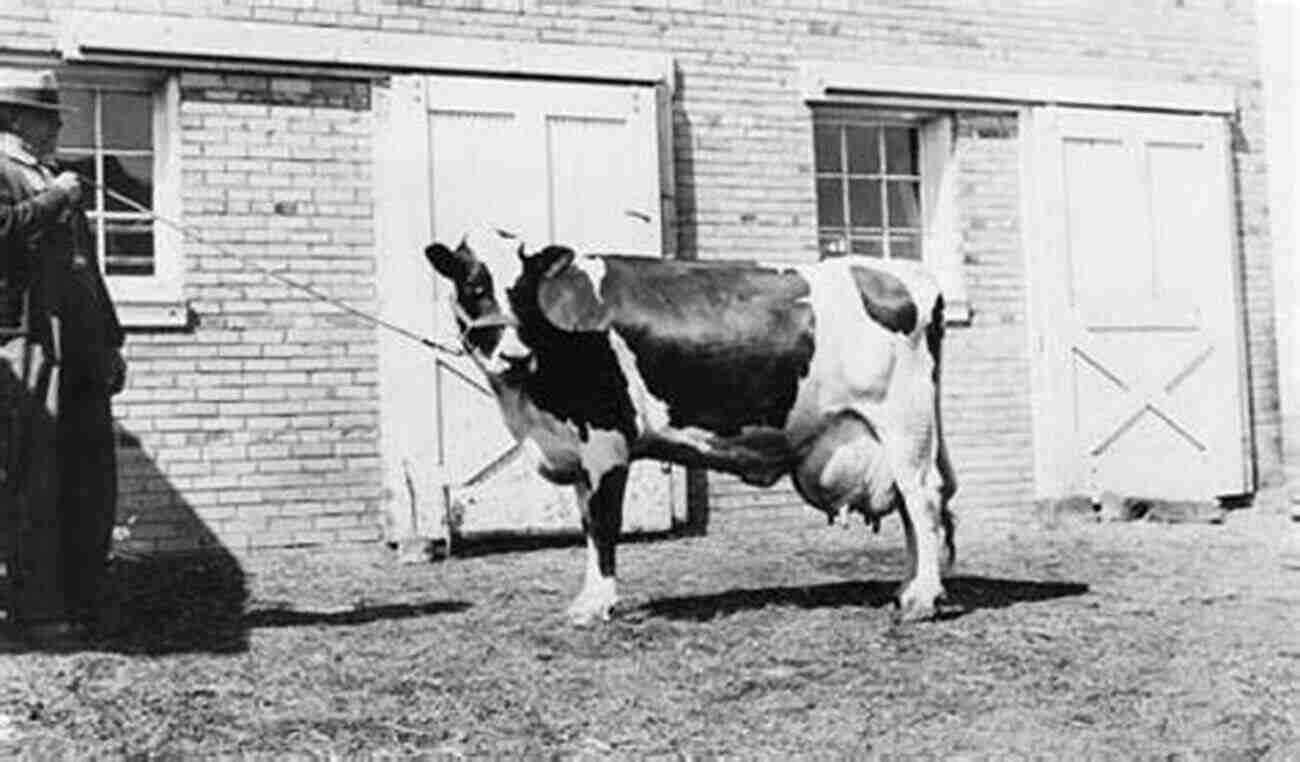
[32, 88]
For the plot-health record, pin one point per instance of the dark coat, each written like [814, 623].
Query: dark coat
[56, 428]
[48, 251]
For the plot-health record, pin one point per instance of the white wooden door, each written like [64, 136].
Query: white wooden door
[571, 163]
[1140, 370]
[414, 501]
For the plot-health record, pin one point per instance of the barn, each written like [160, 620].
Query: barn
[1088, 180]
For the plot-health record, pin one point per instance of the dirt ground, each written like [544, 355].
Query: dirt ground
[1074, 640]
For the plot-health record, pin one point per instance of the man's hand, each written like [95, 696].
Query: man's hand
[69, 184]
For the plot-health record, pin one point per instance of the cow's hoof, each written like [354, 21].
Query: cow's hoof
[914, 612]
[911, 606]
[587, 610]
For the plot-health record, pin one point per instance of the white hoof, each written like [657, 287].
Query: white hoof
[918, 604]
[592, 605]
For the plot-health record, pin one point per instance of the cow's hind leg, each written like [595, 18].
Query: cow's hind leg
[922, 526]
[941, 476]
[947, 487]
[602, 521]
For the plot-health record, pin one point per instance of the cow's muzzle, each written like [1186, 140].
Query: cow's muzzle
[512, 357]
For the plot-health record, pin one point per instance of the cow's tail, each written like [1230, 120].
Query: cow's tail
[942, 466]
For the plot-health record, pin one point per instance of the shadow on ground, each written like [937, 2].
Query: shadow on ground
[176, 603]
[965, 594]
[497, 544]
[197, 604]
[282, 617]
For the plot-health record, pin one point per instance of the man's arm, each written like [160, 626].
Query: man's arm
[19, 218]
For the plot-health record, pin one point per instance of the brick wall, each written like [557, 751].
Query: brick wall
[260, 427]
[743, 161]
[986, 383]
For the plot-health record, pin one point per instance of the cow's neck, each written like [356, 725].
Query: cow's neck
[555, 443]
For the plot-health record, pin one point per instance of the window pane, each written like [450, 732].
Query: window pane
[900, 150]
[78, 126]
[864, 149]
[826, 142]
[904, 204]
[864, 203]
[132, 176]
[871, 247]
[830, 202]
[128, 120]
[129, 247]
[833, 244]
[904, 247]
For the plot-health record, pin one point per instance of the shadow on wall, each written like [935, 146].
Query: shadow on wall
[172, 585]
[686, 224]
[152, 602]
[1240, 146]
[685, 200]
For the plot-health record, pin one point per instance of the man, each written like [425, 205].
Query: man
[61, 362]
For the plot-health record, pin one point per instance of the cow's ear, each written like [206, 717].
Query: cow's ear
[448, 263]
[568, 298]
[544, 263]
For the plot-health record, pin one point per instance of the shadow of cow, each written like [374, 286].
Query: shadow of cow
[965, 594]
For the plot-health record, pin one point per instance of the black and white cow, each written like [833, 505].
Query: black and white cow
[826, 372]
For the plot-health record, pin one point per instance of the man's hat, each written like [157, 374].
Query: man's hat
[32, 88]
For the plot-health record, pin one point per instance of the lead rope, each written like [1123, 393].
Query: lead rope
[306, 288]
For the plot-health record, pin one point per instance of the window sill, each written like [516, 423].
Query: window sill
[145, 315]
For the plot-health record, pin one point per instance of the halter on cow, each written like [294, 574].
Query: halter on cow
[827, 373]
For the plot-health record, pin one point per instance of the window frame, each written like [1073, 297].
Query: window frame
[941, 247]
[938, 166]
[155, 300]
[881, 119]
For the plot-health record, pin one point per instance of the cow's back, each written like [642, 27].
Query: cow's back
[724, 346]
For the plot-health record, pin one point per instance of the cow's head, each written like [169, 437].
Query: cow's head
[488, 328]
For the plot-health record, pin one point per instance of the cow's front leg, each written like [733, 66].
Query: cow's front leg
[922, 585]
[602, 521]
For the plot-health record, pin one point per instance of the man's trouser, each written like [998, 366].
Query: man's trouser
[29, 391]
[86, 447]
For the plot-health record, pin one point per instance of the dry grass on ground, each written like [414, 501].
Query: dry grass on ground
[1076, 640]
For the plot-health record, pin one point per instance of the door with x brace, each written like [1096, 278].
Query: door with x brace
[1140, 362]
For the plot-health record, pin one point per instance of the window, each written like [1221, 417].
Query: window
[122, 135]
[868, 185]
[111, 141]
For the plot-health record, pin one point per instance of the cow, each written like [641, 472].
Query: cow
[825, 372]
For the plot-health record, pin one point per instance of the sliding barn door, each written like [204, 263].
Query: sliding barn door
[1140, 360]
